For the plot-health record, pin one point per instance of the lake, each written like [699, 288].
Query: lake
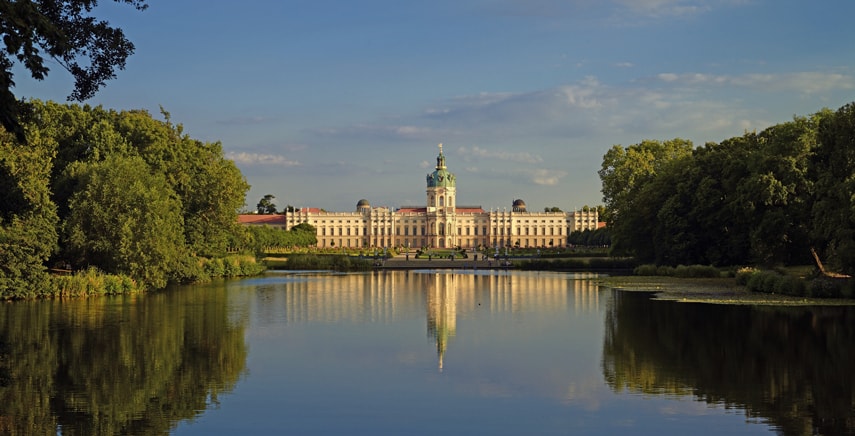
[422, 352]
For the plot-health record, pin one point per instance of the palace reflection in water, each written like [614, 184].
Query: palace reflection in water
[443, 294]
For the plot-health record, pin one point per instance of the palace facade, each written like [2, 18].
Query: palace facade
[440, 223]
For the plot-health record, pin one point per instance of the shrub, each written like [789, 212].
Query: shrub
[682, 271]
[696, 271]
[664, 270]
[92, 281]
[744, 274]
[823, 287]
[645, 270]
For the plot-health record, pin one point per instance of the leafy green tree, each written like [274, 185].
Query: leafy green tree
[28, 219]
[67, 33]
[552, 209]
[211, 188]
[833, 211]
[602, 213]
[624, 171]
[261, 238]
[266, 206]
[125, 219]
[780, 191]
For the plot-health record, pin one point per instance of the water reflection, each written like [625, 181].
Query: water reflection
[791, 367]
[421, 352]
[499, 293]
[443, 295]
[133, 365]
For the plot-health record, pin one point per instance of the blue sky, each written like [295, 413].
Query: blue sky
[324, 102]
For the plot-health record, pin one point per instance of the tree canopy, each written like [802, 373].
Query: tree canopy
[266, 205]
[761, 198]
[66, 32]
[116, 190]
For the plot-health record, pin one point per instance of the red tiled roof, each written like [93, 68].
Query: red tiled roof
[272, 220]
[407, 209]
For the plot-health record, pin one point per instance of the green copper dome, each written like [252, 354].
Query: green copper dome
[440, 178]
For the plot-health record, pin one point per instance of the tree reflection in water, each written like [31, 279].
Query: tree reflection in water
[790, 366]
[108, 366]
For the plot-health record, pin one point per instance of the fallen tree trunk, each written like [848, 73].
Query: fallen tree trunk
[822, 268]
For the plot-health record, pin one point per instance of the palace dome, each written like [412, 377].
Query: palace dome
[519, 206]
[362, 205]
[440, 178]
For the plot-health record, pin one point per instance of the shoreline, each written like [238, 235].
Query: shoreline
[710, 291]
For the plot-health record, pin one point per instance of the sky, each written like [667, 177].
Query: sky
[322, 103]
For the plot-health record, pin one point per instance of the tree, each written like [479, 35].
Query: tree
[125, 219]
[624, 171]
[602, 213]
[552, 209]
[66, 32]
[833, 166]
[28, 219]
[266, 206]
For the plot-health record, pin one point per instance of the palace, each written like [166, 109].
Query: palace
[441, 223]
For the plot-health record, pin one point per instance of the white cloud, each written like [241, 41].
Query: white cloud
[261, 159]
[545, 176]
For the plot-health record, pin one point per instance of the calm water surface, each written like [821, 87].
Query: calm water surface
[422, 352]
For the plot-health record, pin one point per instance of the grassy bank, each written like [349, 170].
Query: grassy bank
[93, 282]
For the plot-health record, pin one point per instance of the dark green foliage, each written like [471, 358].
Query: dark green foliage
[590, 238]
[130, 195]
[266, 205]
[743, 275]
[28, 219]
[647, 269]
[761, 198]
[696, 271]
[833, 210]
[681, 271]
[625, 172]
[66, 33]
